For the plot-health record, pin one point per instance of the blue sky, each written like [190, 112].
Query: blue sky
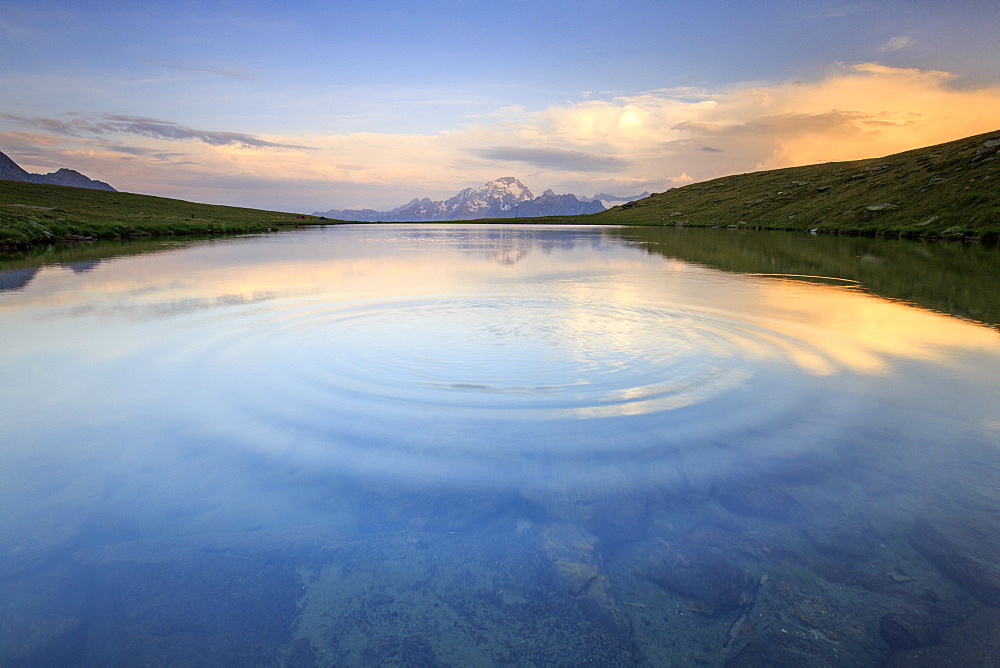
[314, 105]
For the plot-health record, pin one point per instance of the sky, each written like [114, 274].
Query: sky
[306, 106]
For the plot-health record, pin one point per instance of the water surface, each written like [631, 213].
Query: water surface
[475, 445]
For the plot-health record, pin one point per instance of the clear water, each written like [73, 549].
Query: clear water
[483, 445]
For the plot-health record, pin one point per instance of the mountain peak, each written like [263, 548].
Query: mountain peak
[518, 192]
[11, 171]
[505, 197]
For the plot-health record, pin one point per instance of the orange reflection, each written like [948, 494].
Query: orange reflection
[822, 329]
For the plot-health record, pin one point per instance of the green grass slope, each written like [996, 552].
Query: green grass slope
[951, 190]
[37, 213]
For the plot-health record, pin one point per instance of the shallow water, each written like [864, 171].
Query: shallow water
[426, 445]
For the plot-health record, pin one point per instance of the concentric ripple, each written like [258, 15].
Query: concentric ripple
[560, 358]
[467, 382]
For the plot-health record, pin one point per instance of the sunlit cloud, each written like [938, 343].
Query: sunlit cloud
[556, 158]
[145, 127]
[621, 145]
[897, 43]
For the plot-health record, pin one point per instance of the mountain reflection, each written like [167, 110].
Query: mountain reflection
[16, 279]
[506, 245]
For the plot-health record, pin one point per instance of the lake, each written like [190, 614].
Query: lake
[424, 445]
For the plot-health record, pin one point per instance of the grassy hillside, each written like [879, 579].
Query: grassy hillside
[36, 213]
[951, 190]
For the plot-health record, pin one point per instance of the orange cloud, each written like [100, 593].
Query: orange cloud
[621, 145]
[856, 111]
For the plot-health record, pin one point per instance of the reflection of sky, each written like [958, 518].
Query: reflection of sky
[368, 350]
[821, 327]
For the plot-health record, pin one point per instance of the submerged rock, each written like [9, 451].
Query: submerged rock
[573, 552]
[841, 536]
[757, 498]
[609, 506]
[459, 599]
[780, 651]
[39, 640]
[960, 568]
[908, 631]
[974, 642]
[710, 585]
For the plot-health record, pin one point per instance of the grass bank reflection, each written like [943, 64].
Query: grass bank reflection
[951, 278]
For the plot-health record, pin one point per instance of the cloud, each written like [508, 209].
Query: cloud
[28, 139]
[146, 127]
[150, 127]
[855, 111]
[227, 71]
[784, 124]
[897, 43]
[554, 158]
[140, 151]
[625, 144]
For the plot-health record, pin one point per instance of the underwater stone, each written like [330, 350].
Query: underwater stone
[841, 536]
[756, 498]
[974, 642]
[907, 631]
[710, 585]
[779, 651]
[964, 571]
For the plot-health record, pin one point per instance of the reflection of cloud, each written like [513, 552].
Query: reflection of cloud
[865, 333]
[897, 43]
[554, 158]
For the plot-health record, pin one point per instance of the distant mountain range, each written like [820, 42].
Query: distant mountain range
[11, 171]
[505, 197]
[608, 201]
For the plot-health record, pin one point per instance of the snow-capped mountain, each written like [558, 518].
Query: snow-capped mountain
[608, 201]
[505, 197]
[489, 201]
